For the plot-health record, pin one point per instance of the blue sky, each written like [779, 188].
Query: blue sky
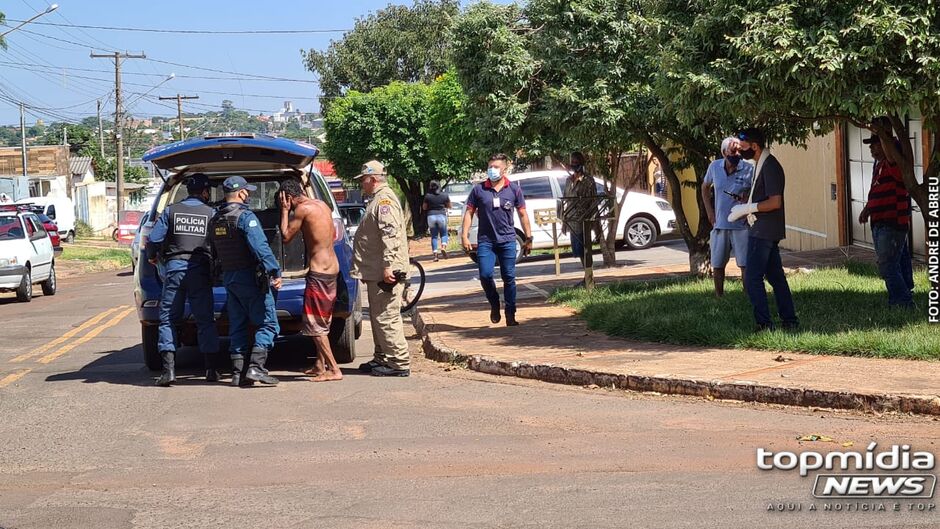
[64, 94]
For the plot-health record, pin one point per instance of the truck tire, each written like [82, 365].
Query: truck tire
[25, 291]
[343, 339]
[148, 342]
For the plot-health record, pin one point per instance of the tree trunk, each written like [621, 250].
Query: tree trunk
[414, 197]
[895, 126]
[697, 243]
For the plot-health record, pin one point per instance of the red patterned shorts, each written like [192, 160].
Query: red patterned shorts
[319, 297]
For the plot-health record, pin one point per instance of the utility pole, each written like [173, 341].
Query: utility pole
[118, 121]
[21, 189]
[179, 108]
[100, 131]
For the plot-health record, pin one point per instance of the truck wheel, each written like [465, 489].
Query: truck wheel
[148, 340]
[49, 285]
[343, 339]
[25, 291]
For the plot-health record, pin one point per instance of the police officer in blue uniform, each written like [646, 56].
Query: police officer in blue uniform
[250, 272]
[179, 239]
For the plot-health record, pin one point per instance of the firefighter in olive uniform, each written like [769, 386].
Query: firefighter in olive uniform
[250, 272]
[179, 240]
[380, 260]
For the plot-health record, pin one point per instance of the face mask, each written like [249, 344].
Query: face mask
[494, 174]
[577, 168]
[733, 160]
[747, 154]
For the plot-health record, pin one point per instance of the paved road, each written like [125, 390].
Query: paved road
[460, 273]
[88, 442]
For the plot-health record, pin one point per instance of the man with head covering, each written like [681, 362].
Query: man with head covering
[727, 183]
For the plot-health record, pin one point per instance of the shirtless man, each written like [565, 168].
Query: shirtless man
[314, 219]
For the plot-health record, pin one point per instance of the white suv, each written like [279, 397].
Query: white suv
[643, 220]
[26, 254]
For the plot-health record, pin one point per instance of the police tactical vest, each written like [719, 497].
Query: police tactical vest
[231, 246]
[187, 231]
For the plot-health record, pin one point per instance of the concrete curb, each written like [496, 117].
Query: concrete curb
[717, 389]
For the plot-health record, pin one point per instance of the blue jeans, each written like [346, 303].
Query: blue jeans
[249, 304]
[577, 245]
[894, 263]
[488, 253]
[195, 284]
[438, 226]
[763, 260]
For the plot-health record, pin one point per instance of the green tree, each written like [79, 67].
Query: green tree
[450, 132]
[561, 75]
[81, 139]
[873, 63]
[398, 43]
[388, 124]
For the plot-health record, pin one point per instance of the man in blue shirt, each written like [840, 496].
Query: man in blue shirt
[179, 238]
[494, 201]
[250, 272]
[727, 182]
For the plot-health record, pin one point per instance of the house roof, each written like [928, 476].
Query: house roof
[79, 165]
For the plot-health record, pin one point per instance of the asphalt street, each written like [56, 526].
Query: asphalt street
[87, 441]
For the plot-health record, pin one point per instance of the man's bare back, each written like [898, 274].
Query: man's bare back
[316, 224]
[314, 219]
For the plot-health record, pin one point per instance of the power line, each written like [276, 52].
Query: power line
[194, 31]
[239, 74]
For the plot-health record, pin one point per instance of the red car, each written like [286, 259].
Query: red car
[53, 230]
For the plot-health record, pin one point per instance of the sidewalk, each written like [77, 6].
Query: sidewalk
[554, 345]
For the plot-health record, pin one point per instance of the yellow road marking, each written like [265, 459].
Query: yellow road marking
[90, 323]
[13, 377]
[91, 335]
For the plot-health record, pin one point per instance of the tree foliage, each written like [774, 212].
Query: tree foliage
[388, 124]
[450, 132]
[797, 61]
[398, 43]
[561, 75]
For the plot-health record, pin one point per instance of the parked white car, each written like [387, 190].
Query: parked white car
[643, 220]
[59, 209]
[26, 254]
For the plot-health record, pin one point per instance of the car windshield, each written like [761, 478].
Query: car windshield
[10, 229]
[459, 188]
[352, 214]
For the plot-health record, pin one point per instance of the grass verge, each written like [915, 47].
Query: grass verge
[95, 259]
[843, 311]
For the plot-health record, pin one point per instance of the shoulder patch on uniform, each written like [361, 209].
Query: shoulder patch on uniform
[252, 223]
[385, 209]
[385, 202]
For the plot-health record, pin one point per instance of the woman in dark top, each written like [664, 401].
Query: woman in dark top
[436, 204]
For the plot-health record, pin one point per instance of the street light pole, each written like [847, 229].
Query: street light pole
[50, 9]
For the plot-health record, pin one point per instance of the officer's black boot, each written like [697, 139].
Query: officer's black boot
[238, 367]
[256, 371]
[169, 369]
[212, 374]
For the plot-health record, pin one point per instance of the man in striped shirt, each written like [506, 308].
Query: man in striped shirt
[889, 210]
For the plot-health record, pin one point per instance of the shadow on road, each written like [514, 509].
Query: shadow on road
[126, 367]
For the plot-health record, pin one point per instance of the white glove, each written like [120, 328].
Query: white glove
[742, 210]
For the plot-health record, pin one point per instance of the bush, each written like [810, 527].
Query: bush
[83, 230]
